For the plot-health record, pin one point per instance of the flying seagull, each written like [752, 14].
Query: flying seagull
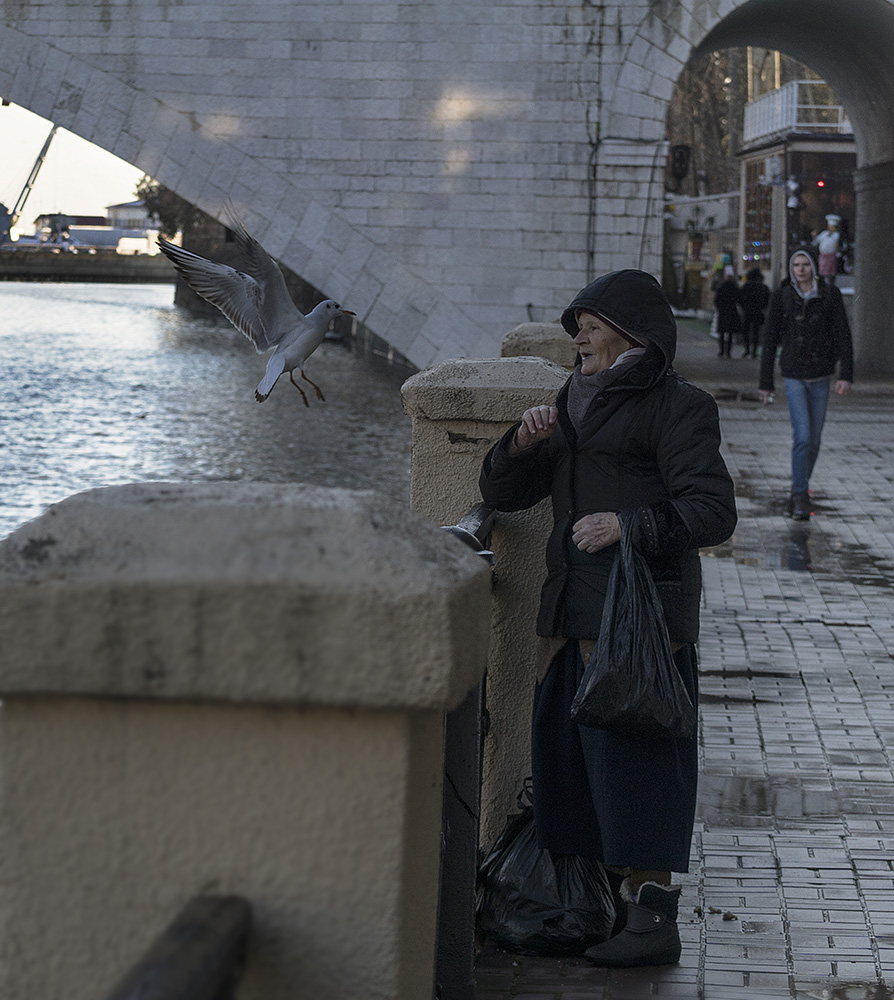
[257, 302]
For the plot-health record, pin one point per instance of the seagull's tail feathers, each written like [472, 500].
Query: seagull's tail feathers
[265, 386]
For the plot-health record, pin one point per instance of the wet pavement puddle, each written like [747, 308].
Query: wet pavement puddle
[724, 697]
[849, 991]
[736, 800]
[801, 548]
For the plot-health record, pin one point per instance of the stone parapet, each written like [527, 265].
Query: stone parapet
[459, 410]
[229, 689]
[545, 340]
[253, 585]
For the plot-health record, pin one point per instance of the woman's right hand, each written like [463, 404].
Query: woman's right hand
[537, 424]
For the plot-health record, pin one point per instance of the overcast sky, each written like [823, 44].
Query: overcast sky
[77, 178]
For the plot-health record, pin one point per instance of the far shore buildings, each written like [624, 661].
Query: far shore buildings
[126, 228]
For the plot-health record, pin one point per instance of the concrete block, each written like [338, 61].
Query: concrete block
[481, 390]
[231, 688]
[459, 409]
[545, 340]
[147, 544]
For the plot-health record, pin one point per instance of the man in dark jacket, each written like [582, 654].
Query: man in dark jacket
[807, 318]
[629, 443]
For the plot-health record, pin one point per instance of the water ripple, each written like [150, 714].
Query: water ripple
[108, 384]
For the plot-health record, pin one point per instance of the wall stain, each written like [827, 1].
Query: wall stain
[37, 550]
[70, 98]
[458, 438]
[16, 11]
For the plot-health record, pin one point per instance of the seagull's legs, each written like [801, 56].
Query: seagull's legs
[317, 389]
[298, 387]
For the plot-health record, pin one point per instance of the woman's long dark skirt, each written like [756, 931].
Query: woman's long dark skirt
[626, 802]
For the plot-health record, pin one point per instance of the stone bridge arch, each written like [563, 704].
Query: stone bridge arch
[447, 169]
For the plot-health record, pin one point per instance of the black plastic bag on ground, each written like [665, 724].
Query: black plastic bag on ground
[631, 684]
[534, 902]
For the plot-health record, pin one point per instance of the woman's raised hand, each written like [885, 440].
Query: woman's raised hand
[537, 424]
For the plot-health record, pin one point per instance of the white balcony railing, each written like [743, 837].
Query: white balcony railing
[799, 106]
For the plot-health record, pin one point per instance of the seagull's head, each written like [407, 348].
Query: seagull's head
[331, 308]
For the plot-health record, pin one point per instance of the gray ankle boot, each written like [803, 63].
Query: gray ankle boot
[650, 936]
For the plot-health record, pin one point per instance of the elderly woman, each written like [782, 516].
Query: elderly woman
[807, 319]
[628, 442]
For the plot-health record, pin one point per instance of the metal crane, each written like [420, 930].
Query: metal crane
[29, 184]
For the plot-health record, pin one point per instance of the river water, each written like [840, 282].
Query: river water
[108, 384]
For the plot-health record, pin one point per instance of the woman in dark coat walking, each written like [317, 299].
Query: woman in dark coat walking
[726, 301]
[629, 442]
[754, 297]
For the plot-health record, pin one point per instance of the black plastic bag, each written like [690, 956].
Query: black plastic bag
[534, 902]
[631, 684]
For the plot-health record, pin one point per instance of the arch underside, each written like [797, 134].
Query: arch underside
[849, 45]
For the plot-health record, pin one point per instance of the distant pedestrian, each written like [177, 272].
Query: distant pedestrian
[828, 242]
[726, 301]
[807, 318]
[723, 267]
[754, 296]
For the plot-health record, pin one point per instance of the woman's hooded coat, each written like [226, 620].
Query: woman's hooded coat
[647, 448]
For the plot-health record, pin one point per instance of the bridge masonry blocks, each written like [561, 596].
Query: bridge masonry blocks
[426, 163]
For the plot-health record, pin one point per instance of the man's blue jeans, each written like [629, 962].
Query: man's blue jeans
[807, 402]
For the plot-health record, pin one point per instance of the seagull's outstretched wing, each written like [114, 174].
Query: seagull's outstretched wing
[238, 296]
[279, 313]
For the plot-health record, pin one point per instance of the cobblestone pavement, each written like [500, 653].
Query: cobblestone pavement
[791, 887]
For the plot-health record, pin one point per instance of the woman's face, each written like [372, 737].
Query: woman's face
[598, 344]
[802, 269]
